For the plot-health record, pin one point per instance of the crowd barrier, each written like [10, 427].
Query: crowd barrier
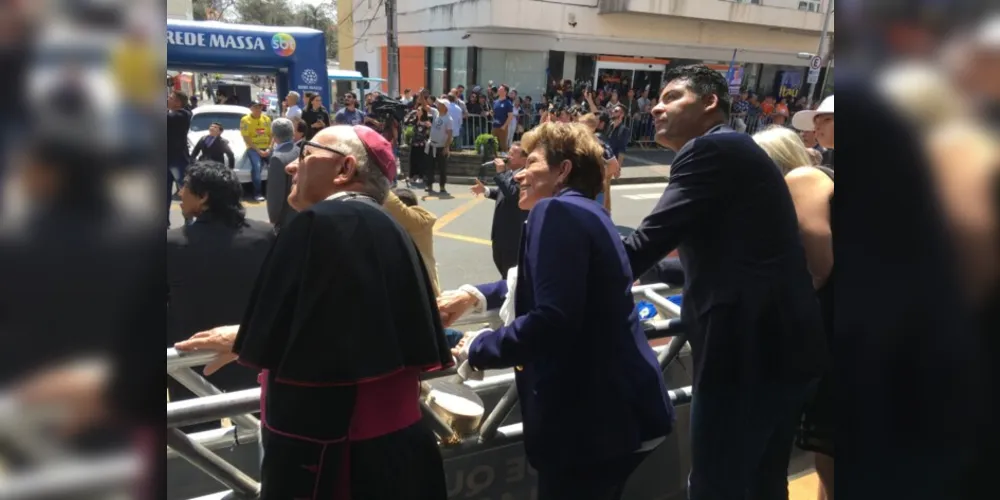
[495, 432]
[753, 123]
[640, 125]
[641, 131]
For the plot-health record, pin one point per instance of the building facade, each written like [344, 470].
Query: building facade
[530, 43]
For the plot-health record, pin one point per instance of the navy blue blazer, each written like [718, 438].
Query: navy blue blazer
[749, 304]
[589, 384]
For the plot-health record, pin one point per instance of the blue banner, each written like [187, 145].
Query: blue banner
[235, 48]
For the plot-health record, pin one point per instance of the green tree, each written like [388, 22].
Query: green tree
[323, 18]
[224, 8]
[265, 12]
[277, 13]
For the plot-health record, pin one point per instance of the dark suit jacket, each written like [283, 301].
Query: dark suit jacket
[578, 338]
[211, 269]
[279, 184]
[219, 151]
[669, 270]
[748, 302]
[508, 220]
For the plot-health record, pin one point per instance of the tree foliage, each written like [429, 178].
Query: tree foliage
[276, 13]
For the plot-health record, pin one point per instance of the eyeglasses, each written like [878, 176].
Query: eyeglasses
[302, 150]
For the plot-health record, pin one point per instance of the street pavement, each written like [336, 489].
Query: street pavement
[462, 232]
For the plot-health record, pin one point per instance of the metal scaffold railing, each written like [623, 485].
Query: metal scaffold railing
[239, 406]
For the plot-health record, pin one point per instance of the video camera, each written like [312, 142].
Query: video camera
[383, 107]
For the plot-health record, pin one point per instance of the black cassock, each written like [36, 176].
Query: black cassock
[341, 321]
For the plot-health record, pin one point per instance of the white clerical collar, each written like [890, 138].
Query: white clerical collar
[348, 194]
[339, 195]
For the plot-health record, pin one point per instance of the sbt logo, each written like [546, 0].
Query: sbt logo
[283, 44]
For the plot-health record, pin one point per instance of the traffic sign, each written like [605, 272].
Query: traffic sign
[816, 63]
[813, 76]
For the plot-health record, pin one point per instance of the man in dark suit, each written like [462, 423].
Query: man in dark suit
[754, 322]
[508, 218]
[279, 183]
[212, 264]
[213, 147]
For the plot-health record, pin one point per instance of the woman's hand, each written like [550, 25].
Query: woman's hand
[459, 347]
[219, 340]
[453, 304]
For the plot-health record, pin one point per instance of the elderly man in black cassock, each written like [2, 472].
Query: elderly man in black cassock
[341, 322]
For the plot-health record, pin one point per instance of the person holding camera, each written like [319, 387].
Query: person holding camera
[421, 119]
[315, 115]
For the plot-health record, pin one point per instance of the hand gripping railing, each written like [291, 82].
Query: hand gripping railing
[214, 405]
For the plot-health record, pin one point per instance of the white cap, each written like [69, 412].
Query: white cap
[803, 120]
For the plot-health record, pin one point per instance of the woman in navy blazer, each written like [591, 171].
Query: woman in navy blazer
[592, 396]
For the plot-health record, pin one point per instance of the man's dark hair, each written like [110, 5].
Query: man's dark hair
[182, 97]
[406, 90]
[603, 119]
[703, 81]
[301, 127]
[450, 98]
[408, 197]
[217, 124]
[505, 87]
[352, 94]
[222, 187]
[460, 86]
[517, 144]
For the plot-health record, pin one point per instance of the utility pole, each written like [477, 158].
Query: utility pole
[392, 47]
[819, 51]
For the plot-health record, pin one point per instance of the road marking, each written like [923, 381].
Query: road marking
[647, 196]
[455, 213]
[645, 161]
[461, 237]
[449, 197]
[635, 187]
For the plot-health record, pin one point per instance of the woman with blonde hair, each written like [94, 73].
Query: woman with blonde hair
[812, 193]
[785, 148]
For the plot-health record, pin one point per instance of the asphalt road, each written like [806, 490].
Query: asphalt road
[462, 233]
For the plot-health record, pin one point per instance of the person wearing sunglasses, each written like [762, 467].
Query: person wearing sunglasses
[329, 402]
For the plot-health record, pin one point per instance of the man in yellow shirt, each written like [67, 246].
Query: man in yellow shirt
[256, 131]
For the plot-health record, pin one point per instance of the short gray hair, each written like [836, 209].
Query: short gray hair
[283, 130]
[296, 94]
[375, 183]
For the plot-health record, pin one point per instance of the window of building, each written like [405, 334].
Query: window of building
[809, 5]
[459, 67]
[439, 66]
[522, 70]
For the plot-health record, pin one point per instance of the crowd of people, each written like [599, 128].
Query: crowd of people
[346, 256]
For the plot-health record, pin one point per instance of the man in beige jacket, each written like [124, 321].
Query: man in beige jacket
[419, 224]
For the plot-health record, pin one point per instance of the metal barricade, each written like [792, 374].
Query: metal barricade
[642, 130]
[750, 124]
[472, 127]
[212, 404]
